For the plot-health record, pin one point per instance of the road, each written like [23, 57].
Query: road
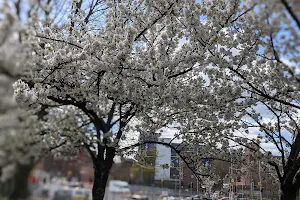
[153, 193]
[51, 188]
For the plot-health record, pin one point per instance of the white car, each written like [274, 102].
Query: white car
[118, 187]
[139, 197]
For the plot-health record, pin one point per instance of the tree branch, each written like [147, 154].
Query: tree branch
[58, 40]
[272, 163]
[291, 12]
[111, 113]
[154, 22]
[180, 73]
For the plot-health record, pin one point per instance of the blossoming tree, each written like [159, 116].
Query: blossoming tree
[133, 66]
[202, 67]
[252, 58]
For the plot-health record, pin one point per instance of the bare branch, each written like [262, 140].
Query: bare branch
[272, 163]
[180, 73]
[58, 40]
[291, 12]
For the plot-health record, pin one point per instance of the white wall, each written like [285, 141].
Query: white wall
[163, 156]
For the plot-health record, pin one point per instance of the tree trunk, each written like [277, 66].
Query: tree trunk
[288, 195]
[100, 181]
[20, 182]
[288, 192]
[101, 173]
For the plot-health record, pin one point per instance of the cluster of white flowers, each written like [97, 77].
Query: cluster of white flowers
[23, 93]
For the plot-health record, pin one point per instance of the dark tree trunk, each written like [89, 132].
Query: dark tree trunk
[20, 182]
[100, 181]
[101, 173]
[288, 195]
[288, 192]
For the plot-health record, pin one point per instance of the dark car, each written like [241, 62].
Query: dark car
[200, 197]
[62, 195]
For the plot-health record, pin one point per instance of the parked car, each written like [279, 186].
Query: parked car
[118, 187]
[62, 194]
[224, 198]
[78, 194]
[198, 197]
[139, 197]
[173, 198]
[71, 191]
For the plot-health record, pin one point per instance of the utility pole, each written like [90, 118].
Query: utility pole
[267, 182]
[260, 193]
[197, 186]
[230, 181]
[179, 188]
[142, 175]
[251, 185]
[175, 183]
[180, 176]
